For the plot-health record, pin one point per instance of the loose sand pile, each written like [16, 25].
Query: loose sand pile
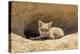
[20, 44]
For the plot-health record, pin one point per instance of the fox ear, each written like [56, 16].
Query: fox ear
[40, 23]
[50, 24]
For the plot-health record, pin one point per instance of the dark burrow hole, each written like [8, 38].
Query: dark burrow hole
[30, 34]
[31, 31]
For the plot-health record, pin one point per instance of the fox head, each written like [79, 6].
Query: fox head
[44, 27]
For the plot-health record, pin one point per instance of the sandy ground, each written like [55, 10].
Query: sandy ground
[20, 44]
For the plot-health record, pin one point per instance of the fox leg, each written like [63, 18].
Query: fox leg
[52, 36]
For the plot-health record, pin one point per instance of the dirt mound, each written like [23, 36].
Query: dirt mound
[20, 44]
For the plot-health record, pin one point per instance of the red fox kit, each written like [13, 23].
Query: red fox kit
[46, 29]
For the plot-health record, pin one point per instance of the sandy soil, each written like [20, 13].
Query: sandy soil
[20, 44]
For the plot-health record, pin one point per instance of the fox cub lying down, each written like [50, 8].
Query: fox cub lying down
[46, 30]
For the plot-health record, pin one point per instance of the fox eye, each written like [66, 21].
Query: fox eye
[44, 30]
